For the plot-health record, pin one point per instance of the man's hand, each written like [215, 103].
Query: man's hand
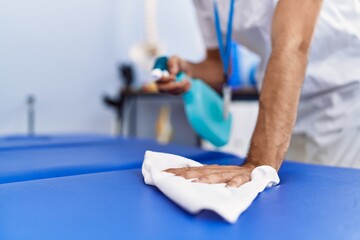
[209, 70]
[169, 84]
[233, 176]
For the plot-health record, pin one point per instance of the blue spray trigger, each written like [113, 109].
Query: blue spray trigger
[161, 63]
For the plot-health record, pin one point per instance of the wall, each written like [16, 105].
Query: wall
[66, 52]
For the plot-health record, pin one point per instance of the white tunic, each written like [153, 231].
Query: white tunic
[330, 100]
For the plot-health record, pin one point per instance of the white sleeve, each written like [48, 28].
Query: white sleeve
[204, 11]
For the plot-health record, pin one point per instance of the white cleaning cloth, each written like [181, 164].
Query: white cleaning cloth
[228, 202]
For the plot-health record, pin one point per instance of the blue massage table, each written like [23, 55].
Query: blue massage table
[91, 187]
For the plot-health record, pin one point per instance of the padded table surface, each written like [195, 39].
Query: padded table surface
[20, 141]
[46, 157]
[312, 202]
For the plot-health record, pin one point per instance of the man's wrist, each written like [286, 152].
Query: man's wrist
[189, 68]
[259, 157]
[251, 163]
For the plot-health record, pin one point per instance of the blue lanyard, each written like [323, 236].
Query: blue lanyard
[224, 49]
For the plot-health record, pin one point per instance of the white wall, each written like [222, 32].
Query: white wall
[177, 26]
[65, 53]
[62, 52]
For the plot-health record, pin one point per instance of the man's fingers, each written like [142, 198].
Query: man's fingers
[174, 65]
[168, 84]
[166, 87]
[197, 173]
[176, 171]
[217, 177]
[232, 176]
[213, 166]
[193, 172]
[174, 87]
[180, 88]
[182, 171]
[164, 80]
[238, 180]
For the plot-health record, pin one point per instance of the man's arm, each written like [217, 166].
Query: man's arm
[210, 70]
[292, 30]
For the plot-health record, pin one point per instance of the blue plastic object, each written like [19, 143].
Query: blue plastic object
[203, 108]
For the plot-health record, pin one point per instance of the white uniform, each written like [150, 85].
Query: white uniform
[327, 129]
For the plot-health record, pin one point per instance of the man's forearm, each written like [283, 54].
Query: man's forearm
[279, 100]
[292, 30]
[210, 70]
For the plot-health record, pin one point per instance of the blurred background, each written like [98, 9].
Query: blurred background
[75, 67]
